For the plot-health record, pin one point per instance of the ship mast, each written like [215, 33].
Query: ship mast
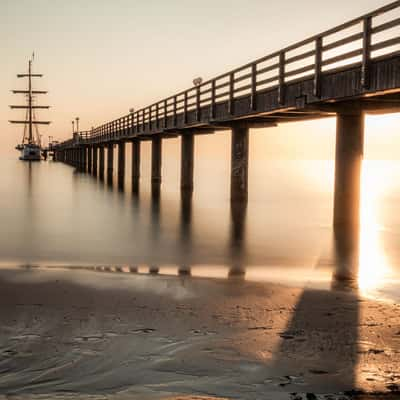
[30, 102]
[30, 119]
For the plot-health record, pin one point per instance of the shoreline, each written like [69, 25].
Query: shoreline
[142, 335]
[317, 278]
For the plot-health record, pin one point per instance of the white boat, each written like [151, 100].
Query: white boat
[30, 147]
[30, 152]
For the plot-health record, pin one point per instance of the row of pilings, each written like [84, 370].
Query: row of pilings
[90, 158]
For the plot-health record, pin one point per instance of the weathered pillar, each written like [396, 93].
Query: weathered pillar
[90, 159]
[135, 165]
[154, 270]
[187, 161]
[348, 163]
[121, 164]
[239, 162]
[110, 162]
[94, 168]
[101, 162]
[78, 158]
[156, 154]
[84, 158]
[133, 269]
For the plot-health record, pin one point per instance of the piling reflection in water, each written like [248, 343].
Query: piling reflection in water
[346, 256]
[69, 218]
[185, 234]
[237, 239]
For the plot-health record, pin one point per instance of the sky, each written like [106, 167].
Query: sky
[100, 58]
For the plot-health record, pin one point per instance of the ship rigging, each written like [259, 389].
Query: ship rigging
[31, 146]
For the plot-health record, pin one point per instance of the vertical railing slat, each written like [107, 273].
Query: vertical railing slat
[165, 113]
[150, 117]
[366, 54]
[281, 88]
[253, 99]
[185, 108]
[213, 90]
[175, 108]
[231, 92]
[198, 103]
[157, 116]
[318, 67]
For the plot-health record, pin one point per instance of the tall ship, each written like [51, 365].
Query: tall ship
[30, 146]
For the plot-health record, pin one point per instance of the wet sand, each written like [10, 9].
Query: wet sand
[86, 334]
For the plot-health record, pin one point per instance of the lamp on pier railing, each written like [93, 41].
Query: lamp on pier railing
[77, 124]
[73, 127]
[197, 81]
[131, 110]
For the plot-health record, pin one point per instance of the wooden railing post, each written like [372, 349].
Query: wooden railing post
[131, 121]
[185, 107]
[281, 88]
[318, 67]
[231, 92]
[136, 122]
[253, 99]
[366, 54]
[165, 113]
[213, 91]
[150, 117]
[198, 103]
[175, 112]
[157, 116]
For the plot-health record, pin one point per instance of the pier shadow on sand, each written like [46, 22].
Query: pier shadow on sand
[318, 350]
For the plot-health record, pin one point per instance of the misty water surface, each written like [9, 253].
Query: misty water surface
[54, 215]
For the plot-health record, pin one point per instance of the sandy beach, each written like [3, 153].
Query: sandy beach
[83, 334]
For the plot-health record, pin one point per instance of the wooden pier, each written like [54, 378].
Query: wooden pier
[344, 72]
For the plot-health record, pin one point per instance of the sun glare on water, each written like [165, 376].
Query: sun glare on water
[374, 268]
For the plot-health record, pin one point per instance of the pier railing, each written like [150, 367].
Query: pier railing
[355, 43]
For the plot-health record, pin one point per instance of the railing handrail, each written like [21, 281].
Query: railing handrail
[191, 97]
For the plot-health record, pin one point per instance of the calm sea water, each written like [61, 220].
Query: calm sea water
[52, 215]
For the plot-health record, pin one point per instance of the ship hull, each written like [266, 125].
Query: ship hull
[30, 153]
